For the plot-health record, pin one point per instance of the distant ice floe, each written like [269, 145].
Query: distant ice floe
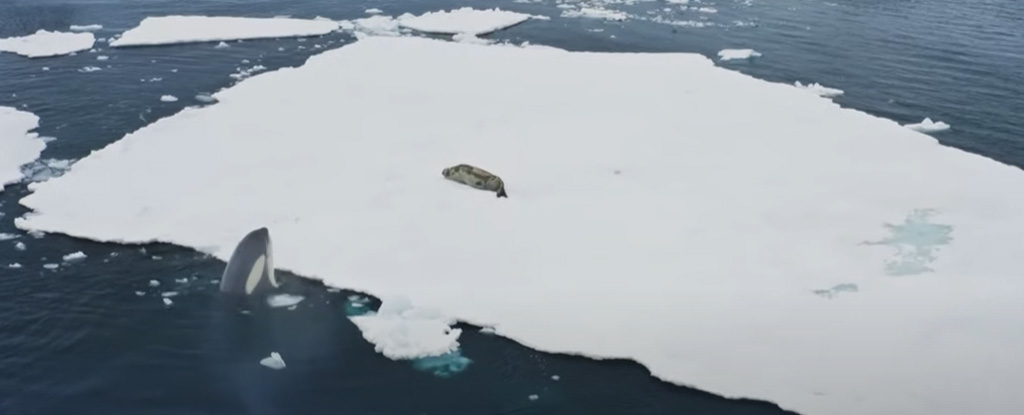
[85, 28]
[400, 331]
[88, 69]
[19, 246]
[74, 256]
[166, 30]
[44, 43]
[818, 89]
[18, 146]
[167, 301]
[374, 11]
[736, 54]
[222, 45]
[274, 361]
[14, 265]
[284, 300]
[102, 57]
[464, 20]
[7, 236]
[596, 13]
[928, 126]
[773, 193]
[168, 98]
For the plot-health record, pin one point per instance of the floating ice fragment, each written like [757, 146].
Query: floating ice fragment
[678, 1]
[222, 45]
[181, 280]
[463, 20]
[555, 377]
[14, 265]
[88, 69]
[819, 89]
[168, 98]
[596, 13]
[18, 145]
[487, 330]
[35, 233]
[400, 331]
[284, 300]
[102, 57]
[206, 98]
[374, 11]
[74, 256]
[154, 283]
[470, 38]
[165, 30]
[7, 236]
[707, 10]
[168, 301]
[51, 266]
[274, 361]
[140, 293]
[44, 43]
[85, 28]
[534, 397]
[928, 126]
[168, 293]
[20, 246]
[734, 54]
[46, 68]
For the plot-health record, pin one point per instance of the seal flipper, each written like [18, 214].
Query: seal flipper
[501, 192]
[251, 267]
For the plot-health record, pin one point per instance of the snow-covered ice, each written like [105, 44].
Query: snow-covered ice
[284, 300]
[734, 54]
[165, 30]
[14, 265]
[154, 283]
[168, 293]
[85, 28]
[7, 236]
[167, 301]
[87, 69]
[205, 98]
[376, 25]
[102, 57]
[374, 11]
[555, 377]
[274, 361]
[819, 89]
[19, 145]
[928, 126]
[596, 13]
[44, 43]
[774, 193]
[168, 98]
[51, 266]
[470, 38]
[74, 256]
[19, 246]
[222, 45]
[463, 20]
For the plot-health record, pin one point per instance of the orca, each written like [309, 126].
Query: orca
[250, 269]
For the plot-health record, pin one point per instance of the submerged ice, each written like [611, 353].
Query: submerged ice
[773, 193]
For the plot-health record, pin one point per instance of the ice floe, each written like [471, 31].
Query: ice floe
[736, 54]
[167, 301]
[19, 246]
[154, 283]
[205, 98]
[274, 361]
[102, 57]
[88, 69]
[818, 89]
[773, 193]
[165, 30]
[44, 43]
[18, 145]
[74, 256]
[14, 265]
[928, 126]
[7, 236]
[374, 11]
[596, 13]
[51, 266]
[463, 20]
[85, 28]
[284, 300]
[168, 98]
[222, 45]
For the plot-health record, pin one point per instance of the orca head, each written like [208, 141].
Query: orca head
[250, 270]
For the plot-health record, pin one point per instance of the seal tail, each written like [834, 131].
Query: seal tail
[501, 192]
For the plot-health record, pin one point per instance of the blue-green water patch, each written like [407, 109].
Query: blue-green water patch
[916, 242]
[444, 366]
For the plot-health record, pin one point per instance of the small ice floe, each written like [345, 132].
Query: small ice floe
[181, 280]
[74, 256]
[46, 68]
[595, 13]
[167, 301]
[140, 293]
[534, 397]
[44, 43]
[284, 300]
[156, 257]
[102, 57]
[736, 54]
[51, 266]
[85, 28]
[245, 73]
[374, 11]
[14, 265]
[19, 246]
[222, 45]
[556, 377]
[168, 294]
[487, 330]
[166, 30]
[206, 98]
[707, 9]
[274, 361]
[928, 126]
[36, 234]
[818, 89]
[245, 61]
[7, 236]
[154, 283]
[333, 289]
[89, 69]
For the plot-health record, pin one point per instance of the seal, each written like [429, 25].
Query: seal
[475, 177]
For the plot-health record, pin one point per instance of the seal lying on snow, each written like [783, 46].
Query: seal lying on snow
[475, 177]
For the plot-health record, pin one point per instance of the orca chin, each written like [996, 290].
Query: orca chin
[250, 269]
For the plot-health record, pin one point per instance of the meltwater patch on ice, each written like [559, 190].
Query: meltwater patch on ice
[915, 243]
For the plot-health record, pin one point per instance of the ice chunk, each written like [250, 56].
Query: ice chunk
[206, 98]
[374, 11]
[85, 28]
[706, 9]
[222, 45]
[168, 293]
[678, 1]
[284, 300]
[928, 126]
[168, 301]
[274, 361]
[464, 20]
[154, 283]
[20, 146]
[51, 266]
[140, 293]
[181, 280]
[734, 54]
[14, 265]
[19, 246]
[400, 331]
[534, 397]
[487, 330]
[74, 256]
[168, 98]
[87, 69]
[445, 366]
[819, 89]
[44, 43]
[555, 377]
[376, 26]
[165, 30]
[7, 236]
[772, 193]
[596, 13]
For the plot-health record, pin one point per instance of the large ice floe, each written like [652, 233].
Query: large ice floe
[165, 30]
[44, 43]
[660, 208]
[464, 20]
[18, 146]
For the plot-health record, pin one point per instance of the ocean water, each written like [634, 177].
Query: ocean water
[80, 339]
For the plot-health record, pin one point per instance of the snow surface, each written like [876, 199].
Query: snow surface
[818, 89]
[274, 361]
[284, 300]
[168, 98]
[721, 223]
[734, 54]
[595, 13]
[928, 126]
[18, 146]
[464, 20]
[166, 30]
[44, 43]
[85, 28]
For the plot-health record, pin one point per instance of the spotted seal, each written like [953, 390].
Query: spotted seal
[475, 177]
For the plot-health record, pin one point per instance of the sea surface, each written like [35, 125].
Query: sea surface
[94, 337]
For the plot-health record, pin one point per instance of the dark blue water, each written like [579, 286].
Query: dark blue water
[79, 340]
